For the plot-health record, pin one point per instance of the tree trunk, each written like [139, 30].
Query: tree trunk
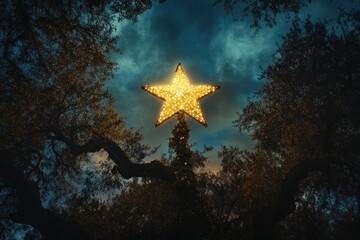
[30, 209]
[283, 203]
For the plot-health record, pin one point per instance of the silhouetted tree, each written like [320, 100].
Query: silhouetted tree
[193, 215]
[306, 124]
[54, 108]
[154, 209]
[301, 181]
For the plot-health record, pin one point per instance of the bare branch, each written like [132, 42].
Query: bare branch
[125, 167]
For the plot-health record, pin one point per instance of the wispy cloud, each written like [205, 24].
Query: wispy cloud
[213, 49]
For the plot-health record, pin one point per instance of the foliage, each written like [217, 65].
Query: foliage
[307, 119]
[301, 181]
[154, 209]
[55, 58]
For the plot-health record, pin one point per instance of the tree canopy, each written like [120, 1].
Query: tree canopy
[55, 108]
[63, 147]
[306, 121]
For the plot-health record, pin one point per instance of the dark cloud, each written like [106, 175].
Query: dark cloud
[213, 49]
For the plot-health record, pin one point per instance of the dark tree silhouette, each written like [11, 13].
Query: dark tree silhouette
[193, 215]
[55, 59]
[154, 209]
[55, 110]
[308, 118]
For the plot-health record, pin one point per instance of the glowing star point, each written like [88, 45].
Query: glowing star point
[180, 96]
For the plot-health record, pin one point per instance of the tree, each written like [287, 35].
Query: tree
[55, 110]
[54, 107]
[193, 216]
[302, 180]
[151, 208]
[307, 123]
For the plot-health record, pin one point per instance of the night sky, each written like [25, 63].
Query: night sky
[214, 49]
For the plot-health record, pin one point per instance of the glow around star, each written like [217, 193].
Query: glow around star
[180, 95]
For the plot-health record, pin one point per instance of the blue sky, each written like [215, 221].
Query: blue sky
[213, 49]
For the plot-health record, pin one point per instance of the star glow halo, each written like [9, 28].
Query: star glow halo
[182, 96]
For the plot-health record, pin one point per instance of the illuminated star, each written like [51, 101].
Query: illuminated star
[182, 96]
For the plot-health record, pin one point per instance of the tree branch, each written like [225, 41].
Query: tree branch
[30, 210]
[284, 203]
[125, 167]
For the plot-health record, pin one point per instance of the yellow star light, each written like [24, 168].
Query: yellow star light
[180, 95]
